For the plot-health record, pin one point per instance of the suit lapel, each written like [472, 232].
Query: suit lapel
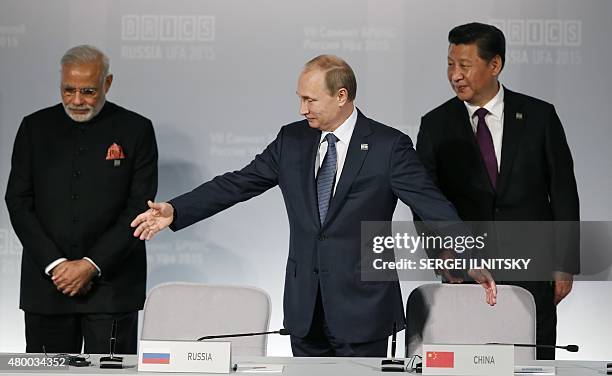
[464, 126]
[311, 146]
[352, 164]
[514, 121]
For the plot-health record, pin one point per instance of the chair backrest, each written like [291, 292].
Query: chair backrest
[187, 311]
[458, 314]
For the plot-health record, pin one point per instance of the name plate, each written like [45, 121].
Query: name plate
[468, 360]
[184, 356]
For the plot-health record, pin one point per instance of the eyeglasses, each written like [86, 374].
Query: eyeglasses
[87, 92]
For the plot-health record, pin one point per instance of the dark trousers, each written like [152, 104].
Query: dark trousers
[66, 333]
[320, 341]
[546, 316]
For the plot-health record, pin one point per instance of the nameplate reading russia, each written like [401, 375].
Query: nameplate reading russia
[184, 356]
[474, 360]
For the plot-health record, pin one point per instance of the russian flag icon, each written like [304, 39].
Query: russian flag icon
[156, 358]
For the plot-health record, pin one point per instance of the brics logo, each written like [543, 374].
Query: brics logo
[541, 32]
[164, 36]
[168, 28]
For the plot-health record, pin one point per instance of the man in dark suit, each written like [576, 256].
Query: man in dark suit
[335, 169]
[498, 155]
[81, 170]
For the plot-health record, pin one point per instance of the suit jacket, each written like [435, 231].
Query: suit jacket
[536, 179]
[328, 255]
[66, 200]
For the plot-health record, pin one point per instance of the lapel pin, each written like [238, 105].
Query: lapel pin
[364, 146]
[519, 116]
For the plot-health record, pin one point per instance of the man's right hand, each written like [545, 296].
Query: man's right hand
[73, 277]
[484, 278]
[159, 216]
[61, 268]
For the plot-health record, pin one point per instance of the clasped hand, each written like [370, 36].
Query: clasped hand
[73, 277]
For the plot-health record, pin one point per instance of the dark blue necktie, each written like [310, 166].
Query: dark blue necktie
[485, 143]
[327, 176]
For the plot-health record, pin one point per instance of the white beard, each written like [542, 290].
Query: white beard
[90, 114]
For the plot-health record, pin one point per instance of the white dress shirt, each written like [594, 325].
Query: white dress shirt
[344, 133]
[494, 120]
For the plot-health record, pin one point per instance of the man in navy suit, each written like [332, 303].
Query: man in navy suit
[498, 155]
[335, 169]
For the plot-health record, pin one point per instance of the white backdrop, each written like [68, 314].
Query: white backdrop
[218, 79]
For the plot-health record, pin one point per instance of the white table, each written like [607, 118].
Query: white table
[309, 367]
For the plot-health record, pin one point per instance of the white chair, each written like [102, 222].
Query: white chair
[458, 314]
[187, 311]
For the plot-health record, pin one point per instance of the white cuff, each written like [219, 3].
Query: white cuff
[54, 264]
[94, 264]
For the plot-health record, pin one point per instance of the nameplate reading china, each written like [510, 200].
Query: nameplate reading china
[468, 360]
[184, 356]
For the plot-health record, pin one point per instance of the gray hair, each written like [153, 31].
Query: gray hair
[86, 54]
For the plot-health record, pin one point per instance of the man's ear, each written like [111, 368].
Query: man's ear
[108, 81]
[342, 97]
[496, 65]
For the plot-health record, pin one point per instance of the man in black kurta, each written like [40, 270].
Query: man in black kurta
[81, 170]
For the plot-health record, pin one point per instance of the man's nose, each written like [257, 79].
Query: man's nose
[78, 98]
[304, 108]
[455, 74]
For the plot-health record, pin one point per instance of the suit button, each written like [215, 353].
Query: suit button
[315, 271]
[74, 197]
[322, 237]
[497, 210]
[76, 174]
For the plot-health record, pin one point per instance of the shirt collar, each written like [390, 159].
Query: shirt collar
[495, 106]
[345, 130]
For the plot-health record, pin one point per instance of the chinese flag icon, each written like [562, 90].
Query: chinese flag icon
[440, 359]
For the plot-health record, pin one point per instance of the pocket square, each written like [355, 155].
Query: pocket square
[115, 153]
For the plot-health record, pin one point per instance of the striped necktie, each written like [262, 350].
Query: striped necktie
[327, 176]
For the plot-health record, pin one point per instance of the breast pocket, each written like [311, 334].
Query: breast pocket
[364, 184]
[117, 175]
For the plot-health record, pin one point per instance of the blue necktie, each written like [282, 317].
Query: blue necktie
[327, 176]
